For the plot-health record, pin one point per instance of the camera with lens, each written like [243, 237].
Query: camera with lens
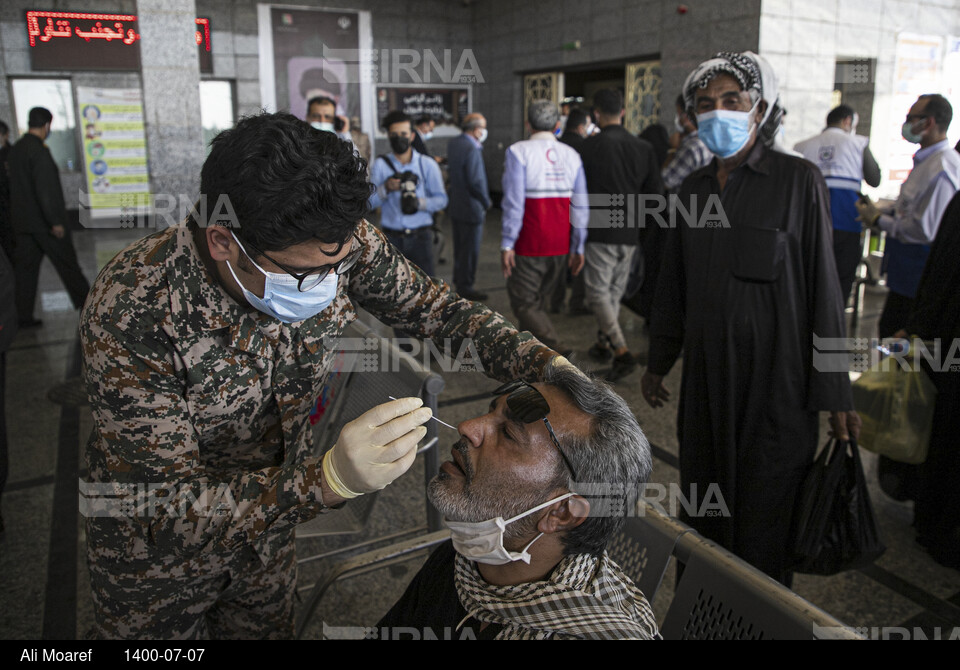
[409, 202]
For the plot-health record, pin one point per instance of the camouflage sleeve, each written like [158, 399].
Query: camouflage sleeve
[144, 440]
[398, 293]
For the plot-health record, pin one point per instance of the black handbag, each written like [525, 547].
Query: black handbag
[835, 528]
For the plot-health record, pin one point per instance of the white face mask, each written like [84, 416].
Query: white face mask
[482, 541]
[323, 125]
[677, 125]
[483, 136]
[283, 300]
[591, 128]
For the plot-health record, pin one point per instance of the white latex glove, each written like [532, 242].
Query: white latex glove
[376, 448]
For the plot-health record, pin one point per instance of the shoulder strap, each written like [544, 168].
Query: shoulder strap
[386, 157]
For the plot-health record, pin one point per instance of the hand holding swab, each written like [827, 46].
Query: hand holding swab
[434, 418]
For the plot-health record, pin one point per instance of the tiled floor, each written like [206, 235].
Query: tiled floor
[45, 593]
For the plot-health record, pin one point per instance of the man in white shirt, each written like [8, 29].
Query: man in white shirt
[911, 225]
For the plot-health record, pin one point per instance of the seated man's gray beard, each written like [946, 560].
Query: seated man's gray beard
[479, 503]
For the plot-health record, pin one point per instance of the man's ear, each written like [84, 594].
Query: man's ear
[219, 242]
[565, 515]
[761, 110]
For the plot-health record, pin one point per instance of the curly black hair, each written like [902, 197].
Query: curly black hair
[285, 182]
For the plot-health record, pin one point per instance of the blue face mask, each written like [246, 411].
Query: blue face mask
[725, 132]
[283, 300]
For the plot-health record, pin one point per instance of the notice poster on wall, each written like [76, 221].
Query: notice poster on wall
[114, 152]
[447, 105]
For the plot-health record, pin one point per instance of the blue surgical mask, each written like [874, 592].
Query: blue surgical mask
[726, 132]
[907, 132]
[323, 125]
[427, 136]
[282, 299]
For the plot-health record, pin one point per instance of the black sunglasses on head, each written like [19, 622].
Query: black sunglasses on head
[312, 278]
[528, 405]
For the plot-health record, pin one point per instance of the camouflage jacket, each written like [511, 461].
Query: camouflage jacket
[198, 399]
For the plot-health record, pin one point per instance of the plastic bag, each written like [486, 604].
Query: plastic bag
[835, 526]
[896, 407]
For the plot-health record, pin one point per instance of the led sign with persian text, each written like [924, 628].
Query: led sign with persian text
[91, 41]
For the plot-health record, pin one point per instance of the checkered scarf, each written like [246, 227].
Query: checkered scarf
[753, 73]
[583, 598]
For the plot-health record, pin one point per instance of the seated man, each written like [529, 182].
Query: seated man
[527, 558]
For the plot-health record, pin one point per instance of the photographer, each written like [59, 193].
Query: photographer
[409, 191]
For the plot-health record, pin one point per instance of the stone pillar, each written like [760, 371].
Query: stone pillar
[171, 97]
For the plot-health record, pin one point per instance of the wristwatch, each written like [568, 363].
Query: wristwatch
[506, 248]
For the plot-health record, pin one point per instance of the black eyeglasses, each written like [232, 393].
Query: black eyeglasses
[528, 405]
[312, 278]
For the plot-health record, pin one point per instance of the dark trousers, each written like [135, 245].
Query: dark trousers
[31, 248]
[530, 286]
[847, 251]
[467, 237]
[416, 246]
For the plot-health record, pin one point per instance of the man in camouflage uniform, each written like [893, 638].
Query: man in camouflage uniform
[205, 398]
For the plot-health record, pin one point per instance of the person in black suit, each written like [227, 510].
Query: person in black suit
[39, 218]
[6, 233]
[469, 202]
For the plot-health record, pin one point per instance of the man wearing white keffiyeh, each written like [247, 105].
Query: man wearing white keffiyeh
[543, 573]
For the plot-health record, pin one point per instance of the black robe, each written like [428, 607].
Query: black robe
[744, 303]
[937, 315]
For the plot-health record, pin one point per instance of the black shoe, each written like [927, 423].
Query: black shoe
[30, 323]
[600, 353]
[473, 295]
[622, 366]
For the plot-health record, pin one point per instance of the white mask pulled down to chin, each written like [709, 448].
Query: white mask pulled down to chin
[482, 541]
